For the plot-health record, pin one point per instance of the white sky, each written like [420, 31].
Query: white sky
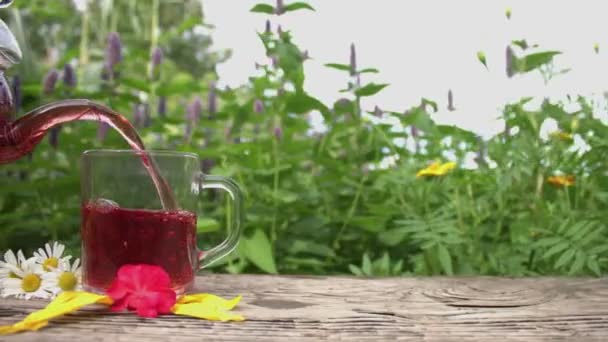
[424, 48]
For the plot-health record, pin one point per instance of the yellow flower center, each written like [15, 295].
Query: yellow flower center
[13, 275]
[67, 281]
[30, 283]
[50, 263]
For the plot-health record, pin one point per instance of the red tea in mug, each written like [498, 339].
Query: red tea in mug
[114, 236]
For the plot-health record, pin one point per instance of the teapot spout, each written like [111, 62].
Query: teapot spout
[20, 137]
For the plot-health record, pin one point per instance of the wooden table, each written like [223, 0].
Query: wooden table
[313, 308]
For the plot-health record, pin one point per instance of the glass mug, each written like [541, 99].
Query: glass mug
[123, 221]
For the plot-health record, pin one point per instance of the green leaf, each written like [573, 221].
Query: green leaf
[368, 71]
[522, 43]
[384, 264]
[578, 264]
[397, 267]
[392, 237]
[285, 196]
[594, 266]
[311, 247]
[204, 225]
[565, 258]
[599, 249]
[427, 102]
[258, 250]
[419, 118]
[298, 6]
[136, 83]
[337, 66]
[444, 259]
[556, 249]
[262, 8]
[374, 224]
[533, 61]
[370, 89]
[481, 56]
[301, 103]
[366, 266]
[355, 270]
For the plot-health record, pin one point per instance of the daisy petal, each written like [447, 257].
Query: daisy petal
[49, 251]
[10, 258]
[20, 257]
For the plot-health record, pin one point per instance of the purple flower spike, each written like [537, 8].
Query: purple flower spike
[207, 165]
[49, 82]
[280, 31]
[258, 106]
[510, 62]
[69, 76]
[7, 104]
[451, 107]
[268, 29]
[228, 132]
[305, 55]
[138, 116]
[353, 60]
[54, 136]
[162, 107]
[102, 131]
[156, 61]
[378, 112]
[194, 110]
[275, 62]
[212, 100]
[17, 93]
[113, 50]
[147, 118]
[157, 57]
[280, 9]
[278, 132]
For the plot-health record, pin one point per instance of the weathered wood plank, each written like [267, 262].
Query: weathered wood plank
[314, 308]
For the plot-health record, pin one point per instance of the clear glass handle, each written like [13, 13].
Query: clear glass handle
[236, 218]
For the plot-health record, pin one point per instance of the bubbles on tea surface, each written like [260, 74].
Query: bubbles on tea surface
[103, 205]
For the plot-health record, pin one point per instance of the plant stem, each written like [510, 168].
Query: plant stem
[351, 212]
[84, 42]
[275, 190]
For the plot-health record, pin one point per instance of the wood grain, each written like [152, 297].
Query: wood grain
[340, 308]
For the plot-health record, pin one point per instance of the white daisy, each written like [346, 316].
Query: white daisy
[28, 284]
[50, 257]
[66, 277]
[11, 264]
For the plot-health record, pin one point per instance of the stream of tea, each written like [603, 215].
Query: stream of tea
[20, 137]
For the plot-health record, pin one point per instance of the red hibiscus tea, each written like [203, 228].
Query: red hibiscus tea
[114, 236]
[125, 222]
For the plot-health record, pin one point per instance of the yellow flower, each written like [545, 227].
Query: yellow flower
[563, 136]
[564, 180]
[436, 169]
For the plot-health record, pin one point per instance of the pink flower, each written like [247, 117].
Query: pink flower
[143, 288]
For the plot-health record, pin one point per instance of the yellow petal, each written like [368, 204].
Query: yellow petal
[65, 303]
[200, 310]
[207, 306]
[444, 168]
[211, 300]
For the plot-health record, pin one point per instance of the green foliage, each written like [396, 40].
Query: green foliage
[344, 200]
